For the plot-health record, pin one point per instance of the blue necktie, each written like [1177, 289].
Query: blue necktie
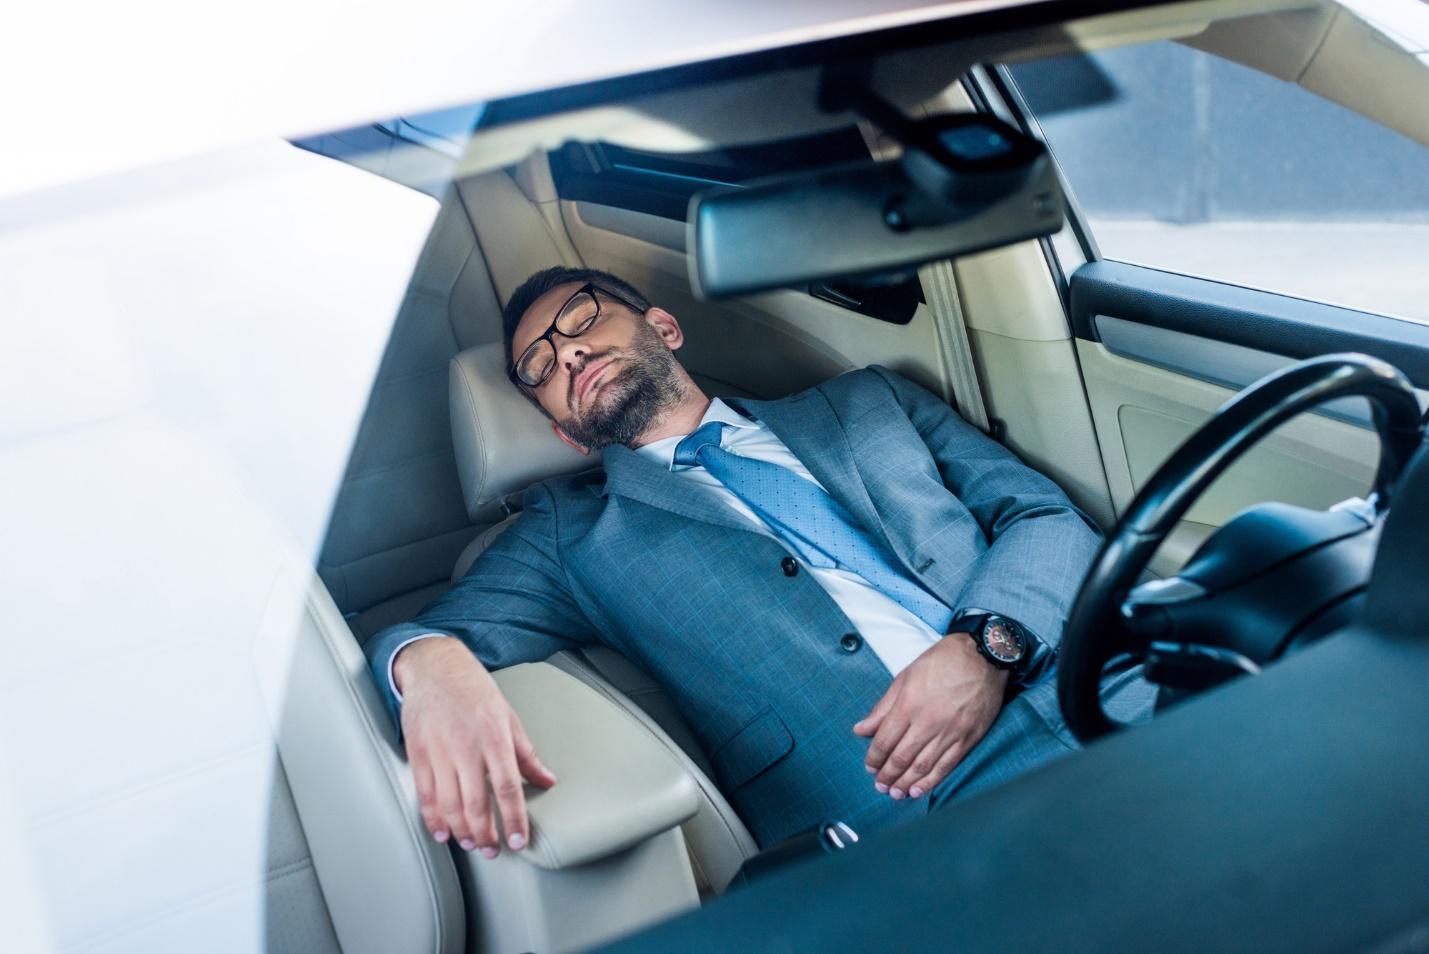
[809, 520]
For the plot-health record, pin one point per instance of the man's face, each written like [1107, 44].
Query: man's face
[611, 381]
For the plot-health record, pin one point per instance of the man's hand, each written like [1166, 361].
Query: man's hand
[461, 733]
[932, 715]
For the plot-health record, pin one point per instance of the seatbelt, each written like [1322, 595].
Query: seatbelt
[940, 287]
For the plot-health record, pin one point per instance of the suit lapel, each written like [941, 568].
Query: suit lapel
[635, 476]
[808, 426]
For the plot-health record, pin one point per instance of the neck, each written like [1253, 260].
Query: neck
[679, 419]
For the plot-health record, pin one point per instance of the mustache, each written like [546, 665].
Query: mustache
[576, 373]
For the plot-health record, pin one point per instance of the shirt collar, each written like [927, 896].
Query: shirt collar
[663, 450]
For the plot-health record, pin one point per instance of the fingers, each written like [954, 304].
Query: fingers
[923, 772]
[447, 795]
[469, 754]
[945, 763]
[478, 825]
[901, 759]
[528, 762]
[462, 785]
[427, 797]
[870, 723]
[890, 733]
[510, 798]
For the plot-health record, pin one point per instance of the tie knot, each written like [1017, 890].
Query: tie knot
[688, 450]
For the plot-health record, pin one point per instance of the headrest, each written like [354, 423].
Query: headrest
[503, 443]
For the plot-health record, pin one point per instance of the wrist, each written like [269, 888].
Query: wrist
[960, 643]
[415, 656]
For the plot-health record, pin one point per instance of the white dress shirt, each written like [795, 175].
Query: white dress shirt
[896, 635]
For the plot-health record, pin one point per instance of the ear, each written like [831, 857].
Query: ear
[567, 439]
[667, 327]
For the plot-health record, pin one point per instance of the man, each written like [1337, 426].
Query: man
[853, 597]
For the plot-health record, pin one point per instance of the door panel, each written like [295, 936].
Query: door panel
[1183, 348]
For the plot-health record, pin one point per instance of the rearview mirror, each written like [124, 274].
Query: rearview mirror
[965, 183]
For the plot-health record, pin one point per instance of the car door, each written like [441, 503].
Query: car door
[1224, 224]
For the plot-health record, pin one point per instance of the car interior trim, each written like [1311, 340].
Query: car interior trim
[1260, 320]
[1215, 362]
[645, 226]
[999, 78]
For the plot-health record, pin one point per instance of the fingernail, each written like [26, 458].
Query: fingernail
[870, 770]
[441, 836]
[882, 789]
[488, 852]
[467, 844]
[915, 792]
[897, 793]
[517, 841]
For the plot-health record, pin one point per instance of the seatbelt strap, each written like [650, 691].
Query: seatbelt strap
[940, 287]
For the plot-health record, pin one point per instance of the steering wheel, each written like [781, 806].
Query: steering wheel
[1261, 565]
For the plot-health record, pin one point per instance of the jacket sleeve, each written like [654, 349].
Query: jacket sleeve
[1040, 545]
[514, 605]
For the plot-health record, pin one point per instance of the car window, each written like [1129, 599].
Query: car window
[1182, 161]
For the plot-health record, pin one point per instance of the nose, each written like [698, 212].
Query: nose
[570, 352]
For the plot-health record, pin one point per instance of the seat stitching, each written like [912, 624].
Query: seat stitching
[292, 867]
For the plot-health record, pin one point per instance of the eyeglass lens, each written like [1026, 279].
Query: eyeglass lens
[575, 319]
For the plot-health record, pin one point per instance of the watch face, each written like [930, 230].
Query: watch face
[1003, 641]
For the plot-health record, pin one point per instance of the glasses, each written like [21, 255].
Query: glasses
[577, 316]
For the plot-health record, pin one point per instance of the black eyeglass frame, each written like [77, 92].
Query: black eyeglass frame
[589, 288]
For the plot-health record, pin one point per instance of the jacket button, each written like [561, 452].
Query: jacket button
[851, 642]
[789, 565]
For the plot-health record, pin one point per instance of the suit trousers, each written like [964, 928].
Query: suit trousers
[1030, 732]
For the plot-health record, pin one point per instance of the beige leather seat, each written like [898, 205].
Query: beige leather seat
[502, 446]
[607, 854]
[386, 886]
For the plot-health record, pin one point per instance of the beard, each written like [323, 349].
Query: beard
[627, 405]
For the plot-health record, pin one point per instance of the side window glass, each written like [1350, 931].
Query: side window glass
[1186, 162]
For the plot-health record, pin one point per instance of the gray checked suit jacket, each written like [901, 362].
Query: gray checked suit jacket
[647, 563]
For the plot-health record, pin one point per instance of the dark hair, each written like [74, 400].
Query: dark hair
[543, 281]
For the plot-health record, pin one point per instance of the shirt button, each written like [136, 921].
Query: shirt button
[851, 642]
[789, 565]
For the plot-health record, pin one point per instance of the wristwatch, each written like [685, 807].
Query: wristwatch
[1001, 641]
